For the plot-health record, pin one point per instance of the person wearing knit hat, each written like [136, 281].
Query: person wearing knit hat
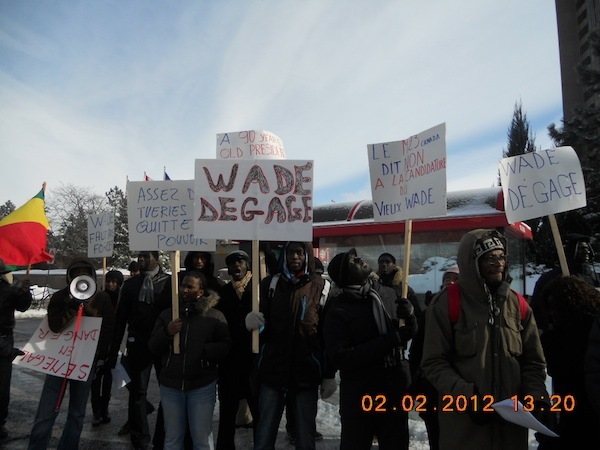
[102, 383]
[491, 350]
[138, 308]
[365, 344]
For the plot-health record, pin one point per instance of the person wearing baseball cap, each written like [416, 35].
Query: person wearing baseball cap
[234, 372]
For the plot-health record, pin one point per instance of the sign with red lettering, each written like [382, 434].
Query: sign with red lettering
[540, 183]
[63, 354]
[251, 144]
[408, 177]
[254, 199]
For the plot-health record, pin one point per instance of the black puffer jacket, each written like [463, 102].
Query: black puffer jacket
[204, 341]
[291, 352]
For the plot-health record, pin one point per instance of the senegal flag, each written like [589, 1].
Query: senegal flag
[23, 234]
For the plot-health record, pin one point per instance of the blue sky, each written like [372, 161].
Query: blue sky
[93, 92]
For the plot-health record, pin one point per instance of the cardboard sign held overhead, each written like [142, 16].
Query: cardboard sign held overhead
[250, 144]
[542, 183]
[408, 177]
[161, 217]
[101, 234]
[262, 199]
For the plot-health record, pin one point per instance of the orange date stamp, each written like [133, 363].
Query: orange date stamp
[379, 403]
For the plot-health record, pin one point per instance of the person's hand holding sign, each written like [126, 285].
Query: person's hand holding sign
[174, 327]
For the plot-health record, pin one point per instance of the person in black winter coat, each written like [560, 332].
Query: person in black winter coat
[235, 371]
[572, 306]
[290, 362]
[63, 310]
[188, 377]
[365, 344]
[102, 383]
[15, 296]
[140, 303]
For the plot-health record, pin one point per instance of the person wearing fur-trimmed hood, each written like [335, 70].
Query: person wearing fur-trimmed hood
[188, 379]
[392, 275]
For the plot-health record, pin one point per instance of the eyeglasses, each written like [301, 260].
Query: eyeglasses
[494, 259]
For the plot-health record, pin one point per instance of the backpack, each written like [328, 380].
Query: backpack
[454, 303]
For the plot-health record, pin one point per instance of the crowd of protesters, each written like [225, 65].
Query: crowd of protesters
[474, 343]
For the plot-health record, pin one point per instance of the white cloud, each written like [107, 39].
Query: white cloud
[94, 93]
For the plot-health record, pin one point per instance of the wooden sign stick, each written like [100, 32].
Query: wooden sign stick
[175, 261]
[559, 247]
[255, 289]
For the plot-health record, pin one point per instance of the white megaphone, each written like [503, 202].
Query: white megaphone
[82, 287]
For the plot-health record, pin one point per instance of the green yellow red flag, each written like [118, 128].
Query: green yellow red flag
[23, 234]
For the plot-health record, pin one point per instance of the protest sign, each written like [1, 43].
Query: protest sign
[101, 234]
[63, 354]
[261, 199]
[161, 217]
[408, 177]
[250, 144]
[541, 183]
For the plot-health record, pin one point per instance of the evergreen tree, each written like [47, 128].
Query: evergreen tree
[121, 253]
[520, 138]
[6, 209]
[582, 132]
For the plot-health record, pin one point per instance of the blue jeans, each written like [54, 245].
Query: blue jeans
[46, 415]
[270, 406]
[194, 407]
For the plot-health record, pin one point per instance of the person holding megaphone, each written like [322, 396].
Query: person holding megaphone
[79, 298]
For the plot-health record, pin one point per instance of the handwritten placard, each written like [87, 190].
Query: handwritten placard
[408, 177]
[161, 217]
[254, 200]
[62, 354]
[101, 234]
[250, 144]
[540, 183]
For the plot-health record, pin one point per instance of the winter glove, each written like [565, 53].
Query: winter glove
[254, 320]
[409, 329]
[174, 327]
[111, 361]
[328, 387]
[17, 352]
[405, 309]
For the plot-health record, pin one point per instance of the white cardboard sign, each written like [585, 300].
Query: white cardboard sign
[250, 144]
[541, 183]
[101, 234]
[61, 354]
[408, 177]
[254, 200]
[161, 217]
